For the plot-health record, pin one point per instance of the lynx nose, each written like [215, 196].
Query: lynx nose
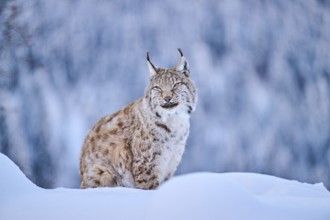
[167, 99]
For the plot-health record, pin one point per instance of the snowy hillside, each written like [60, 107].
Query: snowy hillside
[234, 196]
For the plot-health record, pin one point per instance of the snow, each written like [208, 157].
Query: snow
[192, 196]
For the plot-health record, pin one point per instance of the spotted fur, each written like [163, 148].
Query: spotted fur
[141, 145]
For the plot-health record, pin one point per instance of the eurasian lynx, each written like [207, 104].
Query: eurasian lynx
[141, 145]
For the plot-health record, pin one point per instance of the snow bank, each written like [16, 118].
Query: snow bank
[239, 196]
[193, 196]
[21, 199]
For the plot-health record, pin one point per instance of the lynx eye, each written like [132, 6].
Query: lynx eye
[157, 88]
[176, 85]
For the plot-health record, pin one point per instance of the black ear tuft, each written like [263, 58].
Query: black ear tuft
[180, 51]
[148, 58]
[152, 68]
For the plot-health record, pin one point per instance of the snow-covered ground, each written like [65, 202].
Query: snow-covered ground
[194, 196]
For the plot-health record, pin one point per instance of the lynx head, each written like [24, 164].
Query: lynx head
[170, 90]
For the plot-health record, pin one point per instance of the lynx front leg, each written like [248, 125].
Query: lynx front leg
[99, 176]
[146, 170]
[168, 176]
[173, 163]
[146, 175]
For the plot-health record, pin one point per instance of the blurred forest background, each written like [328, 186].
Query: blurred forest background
[262, 69]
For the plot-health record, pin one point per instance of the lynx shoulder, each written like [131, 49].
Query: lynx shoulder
[141, 145]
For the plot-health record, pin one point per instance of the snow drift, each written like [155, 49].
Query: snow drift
[193, 196]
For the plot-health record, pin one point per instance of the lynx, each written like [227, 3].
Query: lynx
[141, 145]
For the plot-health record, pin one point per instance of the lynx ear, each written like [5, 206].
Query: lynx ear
[152, 68]
[183, 65]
